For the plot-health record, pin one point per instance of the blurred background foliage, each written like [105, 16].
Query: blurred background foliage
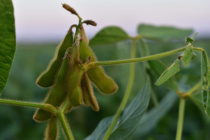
[31, 59]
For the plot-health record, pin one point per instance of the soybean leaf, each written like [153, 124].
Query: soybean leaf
[192, 38]
[162, 33]
[108, 35]
[144, 48]
[158, 68]
[204, 79]
[7, 40]
[168, 73]
[208, 76]
[129, 120]
[150, 120]
[188, 55]
[197, 99]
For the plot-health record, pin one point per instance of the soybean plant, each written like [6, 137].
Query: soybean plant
[75, 69]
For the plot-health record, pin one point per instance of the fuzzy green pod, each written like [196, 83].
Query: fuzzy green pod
[51, 132]
[96, 74]
[57, 93]
[88, 94]
[204, 79]
[47, 78]
[74, 77]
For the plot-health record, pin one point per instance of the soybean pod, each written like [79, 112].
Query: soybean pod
[96, 74]
[47, 78]
[57, 94]
[88, 94]
[51, 132]
[74, 76]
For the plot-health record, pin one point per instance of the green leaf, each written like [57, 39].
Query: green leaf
[168, 73]
[129, 120]
[208, 76]
[144, 48]
[188, 55]
[162, 33]
[192, 38]
[150, 120]
[7, 40]
[158, 68]
[108, 35]
[197, 99]
[204, 79]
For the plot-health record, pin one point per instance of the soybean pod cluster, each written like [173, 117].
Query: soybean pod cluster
[69, 76]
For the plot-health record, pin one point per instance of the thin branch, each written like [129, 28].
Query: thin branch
[141, 59]
[46, 107]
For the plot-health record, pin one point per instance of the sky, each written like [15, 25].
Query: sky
[46, 20]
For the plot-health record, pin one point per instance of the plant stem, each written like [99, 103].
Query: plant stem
[46, 107]
[180, 119]
[126, 95]
[196, 87]
[65, 106]
[198, 49]
[65, 125]
[141, 59]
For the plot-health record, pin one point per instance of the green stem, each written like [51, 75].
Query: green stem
[126, 95]
[180, 119]
[43, 106]
[66, 105]
[77, 29]
[198, 49]
[196, 87]
[65, 125]
[146, 58]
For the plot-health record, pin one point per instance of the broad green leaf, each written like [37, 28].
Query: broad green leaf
[204, 78]
[51, 132]
[168, 73]
[158, 68]
[188, 55]
[150, 120]
[128, 122]
[192, 38]
[197, 99]
[144, 48]
[108, 35]
[162, 33]
[7, 40]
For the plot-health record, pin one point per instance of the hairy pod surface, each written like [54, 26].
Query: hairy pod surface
[88, 94]
[47, 78]
[96, 74]
[74, 77]
[57, 94]
[83, 34]
[51, 132]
